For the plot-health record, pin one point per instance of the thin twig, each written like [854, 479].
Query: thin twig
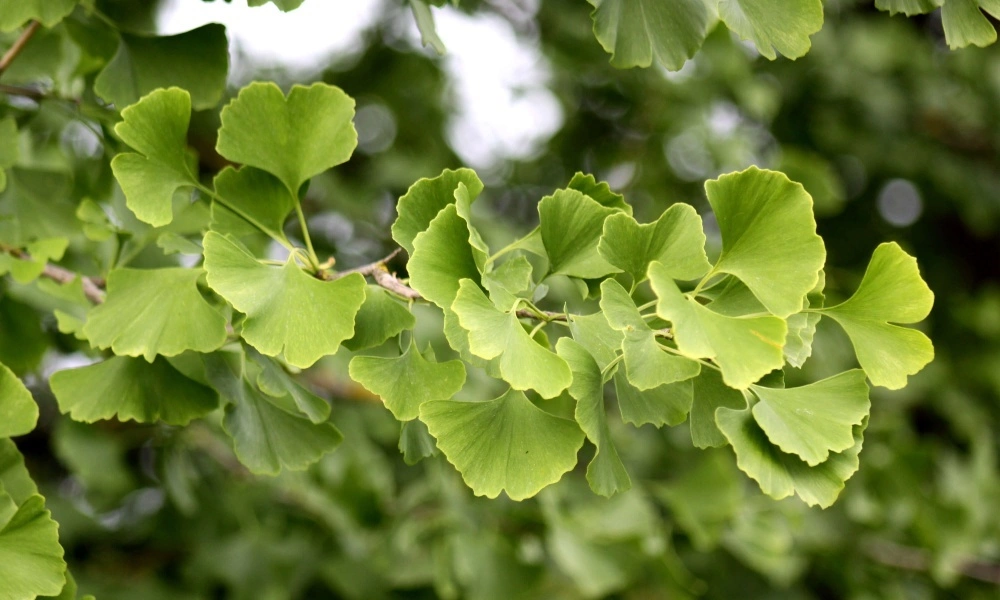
[18, 46]
[26, 92]
[917, 559]
[378, 271]
[63, 276]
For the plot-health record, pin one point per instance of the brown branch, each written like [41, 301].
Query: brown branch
[63, 276]
[18, 46]
[378, 271]
[27, 92]
[917, 559]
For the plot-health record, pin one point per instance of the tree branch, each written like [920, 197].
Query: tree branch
[18, 46]
[378, 271]
[91, 289]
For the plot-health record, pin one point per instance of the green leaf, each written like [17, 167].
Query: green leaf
[507, 282]
[96, 224]
[664, 405]
[15, 13]
[381, 317]
[505, 444]
[571, 225]
[606, 474]
[780, 475]
[25, 269]
[286, 309]
[676, 239]
[274, 381]
[18, 411]
[254, 197]
[774, 25]
[415, 442]
[745, 348]
[283, 5]
[9, 150]
[908, 7]
[769, 237]
[705, 498]
[156, 127]
[31, 559]
[442, 257]
[425, 199]
[890, 292]
[425, 24]
[599, 192]
[636, 31]
[14, 476]
[594, 333]
[293, 138]
[407, 381]
[816, 419]
[710, 393]
[964, 24]
[647, 363]
[171, 243]
[196, 61]
[802, 327]
[155, 311]
[131, 389]
[270, 432]
[524, 364]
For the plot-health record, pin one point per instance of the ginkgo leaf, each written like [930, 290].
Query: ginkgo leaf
[594, 333]
[196, 61]
[816, 419]
[524, 364]
[779, 474]
[283, 5]
[407, 381]
[415, 442]
[663, 405]
[155, 311]
[31, 559]
[774, 25]
[802, 327]
[442, 257]
[908, 7]
[676, 239]
[769, 237]
[890, 292]
[14, 476]
[256, 197]
[131, 389]
[709, 393]
[27, 268]
[269, 432]
[425, 199]
[636, 31]
[648, 365]
[274, 381]
[425, 24]
[507, 281]
[286, 309]
[505, 444]
[293, 138]
[599, 191]
[606, 474]
[571, 225]
[965, 24]
[15, 13]
[156, 128]
[745, 348]
[381, 317]
[18, 411]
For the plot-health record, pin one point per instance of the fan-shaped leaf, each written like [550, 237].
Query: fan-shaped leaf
[156, 128]
[255, 197]
[676, 239]
[964, 24]
[293, 138]
[745, 348]
[407, 381]
[890, 292]
[286, 309]
[425, 199]
[18, 411]
[505, 444]
[31, 559]
[605, 473]
[571, 225]
[155, 311]
[663, 405]
[774, 25]
[636, 31]
[381, 317]
[15, 13]
[442, 257]
[769, 237]
[524, 364]
[131, 389]
[709, 393]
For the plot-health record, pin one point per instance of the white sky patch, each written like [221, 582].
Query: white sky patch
[505, 109]
[300, 40]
